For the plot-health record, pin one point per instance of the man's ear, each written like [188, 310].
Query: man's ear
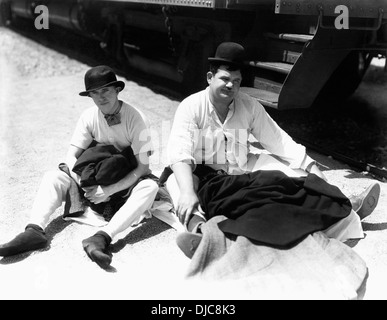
[210, 76]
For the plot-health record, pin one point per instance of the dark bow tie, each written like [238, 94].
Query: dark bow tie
[113, 119]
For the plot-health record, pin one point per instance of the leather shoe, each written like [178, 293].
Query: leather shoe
[96, 248]
[365, 203]
[188, 242]
[33, 238]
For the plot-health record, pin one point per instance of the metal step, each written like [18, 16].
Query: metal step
[290, 56]
[291, 37]
[280, 67]
[269, 77]
[267, 85]
[282, 51]
[266, 98]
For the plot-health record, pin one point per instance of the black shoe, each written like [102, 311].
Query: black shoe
[96, 249]
[33, 238]
[188, 242]
[365, 203]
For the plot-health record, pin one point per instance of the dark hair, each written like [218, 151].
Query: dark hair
[214, 67]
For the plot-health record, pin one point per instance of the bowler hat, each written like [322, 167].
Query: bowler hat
[230, 53]
[100, 77]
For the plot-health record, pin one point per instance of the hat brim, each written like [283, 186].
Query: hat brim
[119, 84]
[227, 62]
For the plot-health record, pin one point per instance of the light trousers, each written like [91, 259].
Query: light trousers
[347, 228]
[52, 193]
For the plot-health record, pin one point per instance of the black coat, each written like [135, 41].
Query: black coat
[104, 165]
[271, 208]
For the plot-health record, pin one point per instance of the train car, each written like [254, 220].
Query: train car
[296, 49]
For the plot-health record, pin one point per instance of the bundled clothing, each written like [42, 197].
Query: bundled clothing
[100, 165]
[104, 165]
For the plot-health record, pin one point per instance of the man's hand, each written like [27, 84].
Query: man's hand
[188, 204]
[96, 194]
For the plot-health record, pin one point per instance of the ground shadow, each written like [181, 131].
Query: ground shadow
[363, 287]
[150, 228]
[367, 226]
[56, 226]
[352, 243]
[364, 175]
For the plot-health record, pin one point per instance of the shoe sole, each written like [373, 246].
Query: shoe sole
[370, 201]
[100, 258]
[188, 242]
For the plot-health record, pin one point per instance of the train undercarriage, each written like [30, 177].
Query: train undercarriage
[295, 50]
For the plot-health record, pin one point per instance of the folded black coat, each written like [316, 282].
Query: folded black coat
[271, 208]
[104, 165]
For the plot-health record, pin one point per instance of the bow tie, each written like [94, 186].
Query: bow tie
[113, 119]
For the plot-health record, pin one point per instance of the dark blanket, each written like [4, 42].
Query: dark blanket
[271, 208]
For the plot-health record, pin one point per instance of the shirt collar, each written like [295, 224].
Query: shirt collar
[231, 107]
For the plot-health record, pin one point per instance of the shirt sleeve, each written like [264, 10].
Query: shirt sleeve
[138, 128]
[183, 138]
[277, 141]
[82, 136]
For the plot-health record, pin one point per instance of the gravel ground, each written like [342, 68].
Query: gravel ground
[39, 105]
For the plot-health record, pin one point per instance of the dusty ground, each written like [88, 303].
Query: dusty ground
[39, 105]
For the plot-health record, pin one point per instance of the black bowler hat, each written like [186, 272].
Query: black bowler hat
[229, 53]
[100, 77]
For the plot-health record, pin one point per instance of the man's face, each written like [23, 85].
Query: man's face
[105, 98]
[225, 84]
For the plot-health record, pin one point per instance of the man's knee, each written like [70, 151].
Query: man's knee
[150, 186]
[54, 176]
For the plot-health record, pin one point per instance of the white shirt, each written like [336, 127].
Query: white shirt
[132, 131]
[198, 136]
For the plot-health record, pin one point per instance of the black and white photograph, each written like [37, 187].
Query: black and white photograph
[193, 151]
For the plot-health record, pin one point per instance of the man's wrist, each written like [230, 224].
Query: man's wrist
[107, 190]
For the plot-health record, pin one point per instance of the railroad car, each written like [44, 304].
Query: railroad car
[296, 49]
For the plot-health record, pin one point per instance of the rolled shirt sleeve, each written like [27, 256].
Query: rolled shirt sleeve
[276, 141]
[184, 134]
[82, 135]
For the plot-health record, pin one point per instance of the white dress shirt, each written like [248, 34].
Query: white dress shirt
[132, 131]
[199, 137]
